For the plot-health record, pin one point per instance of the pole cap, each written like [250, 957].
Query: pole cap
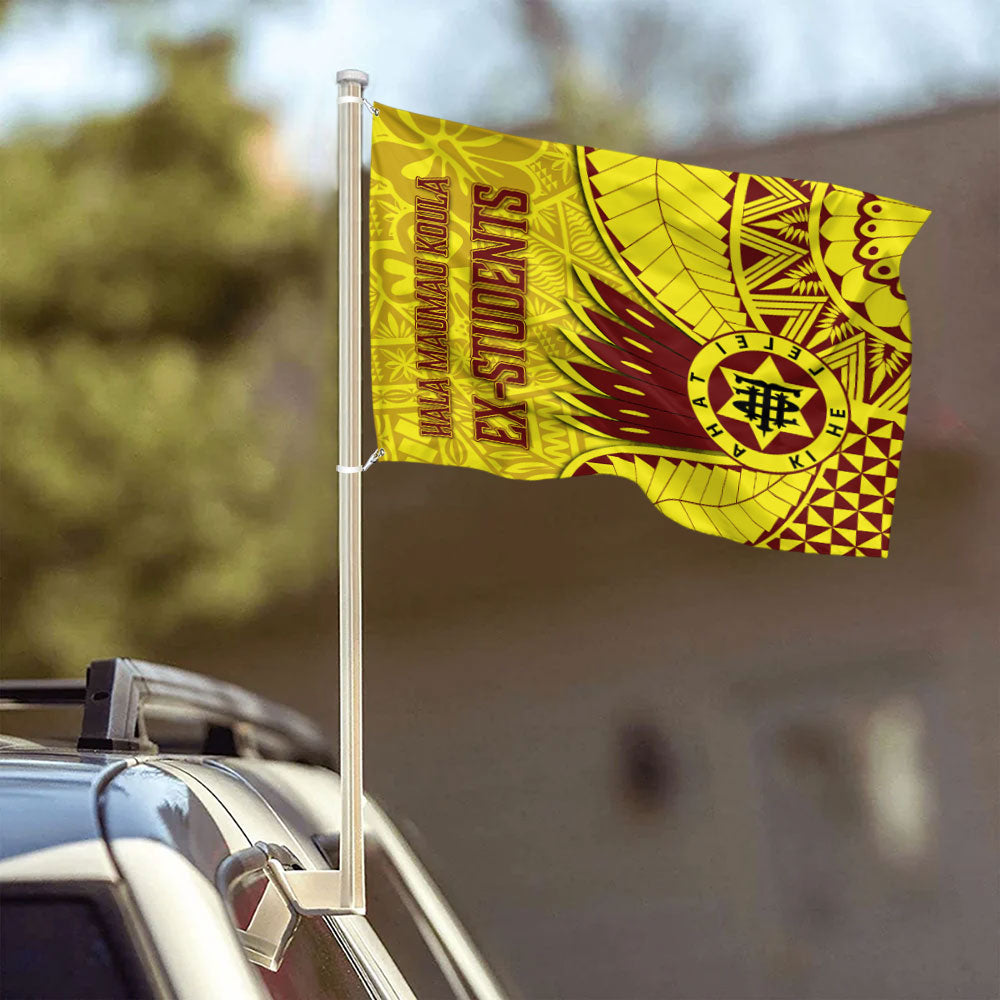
[352, 76]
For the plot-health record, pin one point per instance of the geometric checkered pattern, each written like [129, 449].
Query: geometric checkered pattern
[850, 510]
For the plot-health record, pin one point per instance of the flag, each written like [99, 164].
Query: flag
[738, 346]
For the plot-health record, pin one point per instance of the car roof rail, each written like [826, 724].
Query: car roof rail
[41, 693]
[120, 693]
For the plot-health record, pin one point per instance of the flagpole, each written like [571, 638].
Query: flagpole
[350, 88]
[325, 892]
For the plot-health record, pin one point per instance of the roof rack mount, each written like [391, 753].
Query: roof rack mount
[119, 691]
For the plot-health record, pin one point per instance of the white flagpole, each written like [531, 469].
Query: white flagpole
[350, 88]
[324, 892]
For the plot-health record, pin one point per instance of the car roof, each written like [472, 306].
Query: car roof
[48, 798]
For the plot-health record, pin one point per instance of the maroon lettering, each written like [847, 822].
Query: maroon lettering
[502, 423]
[519, 199]
[506, 275]
[437, 184]
[497, 311]
[496, 300]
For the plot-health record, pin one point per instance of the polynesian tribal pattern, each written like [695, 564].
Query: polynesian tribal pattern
[737, 346]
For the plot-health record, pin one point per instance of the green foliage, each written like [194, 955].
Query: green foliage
[153, 223]
[155, 467]
[138, 495]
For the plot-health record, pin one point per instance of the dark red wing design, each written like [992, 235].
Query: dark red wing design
[643, 390]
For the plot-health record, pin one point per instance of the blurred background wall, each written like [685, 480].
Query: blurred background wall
[645, 762]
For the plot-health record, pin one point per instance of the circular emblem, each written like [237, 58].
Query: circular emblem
[768, 402]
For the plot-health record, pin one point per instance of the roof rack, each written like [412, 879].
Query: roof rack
[118, 693]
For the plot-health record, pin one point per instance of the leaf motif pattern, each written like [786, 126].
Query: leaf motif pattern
[724, 500]
[664, 223]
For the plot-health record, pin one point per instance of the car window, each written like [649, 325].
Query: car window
[398, 920]
[314, 965]
[406, 933]
[66, 947]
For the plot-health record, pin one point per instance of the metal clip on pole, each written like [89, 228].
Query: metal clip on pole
[372, 459]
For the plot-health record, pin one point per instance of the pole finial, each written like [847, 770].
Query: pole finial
[352, 76]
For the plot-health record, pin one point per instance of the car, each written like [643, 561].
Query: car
[145, 858]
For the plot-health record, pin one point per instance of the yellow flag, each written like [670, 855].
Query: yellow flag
[737, 346]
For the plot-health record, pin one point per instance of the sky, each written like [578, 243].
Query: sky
[806, 63]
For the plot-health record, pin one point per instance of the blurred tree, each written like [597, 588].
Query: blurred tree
[155, 463]
[155, 222]
[138, 493]
[646, 56]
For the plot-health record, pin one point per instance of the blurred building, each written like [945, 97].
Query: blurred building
[657, 764]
